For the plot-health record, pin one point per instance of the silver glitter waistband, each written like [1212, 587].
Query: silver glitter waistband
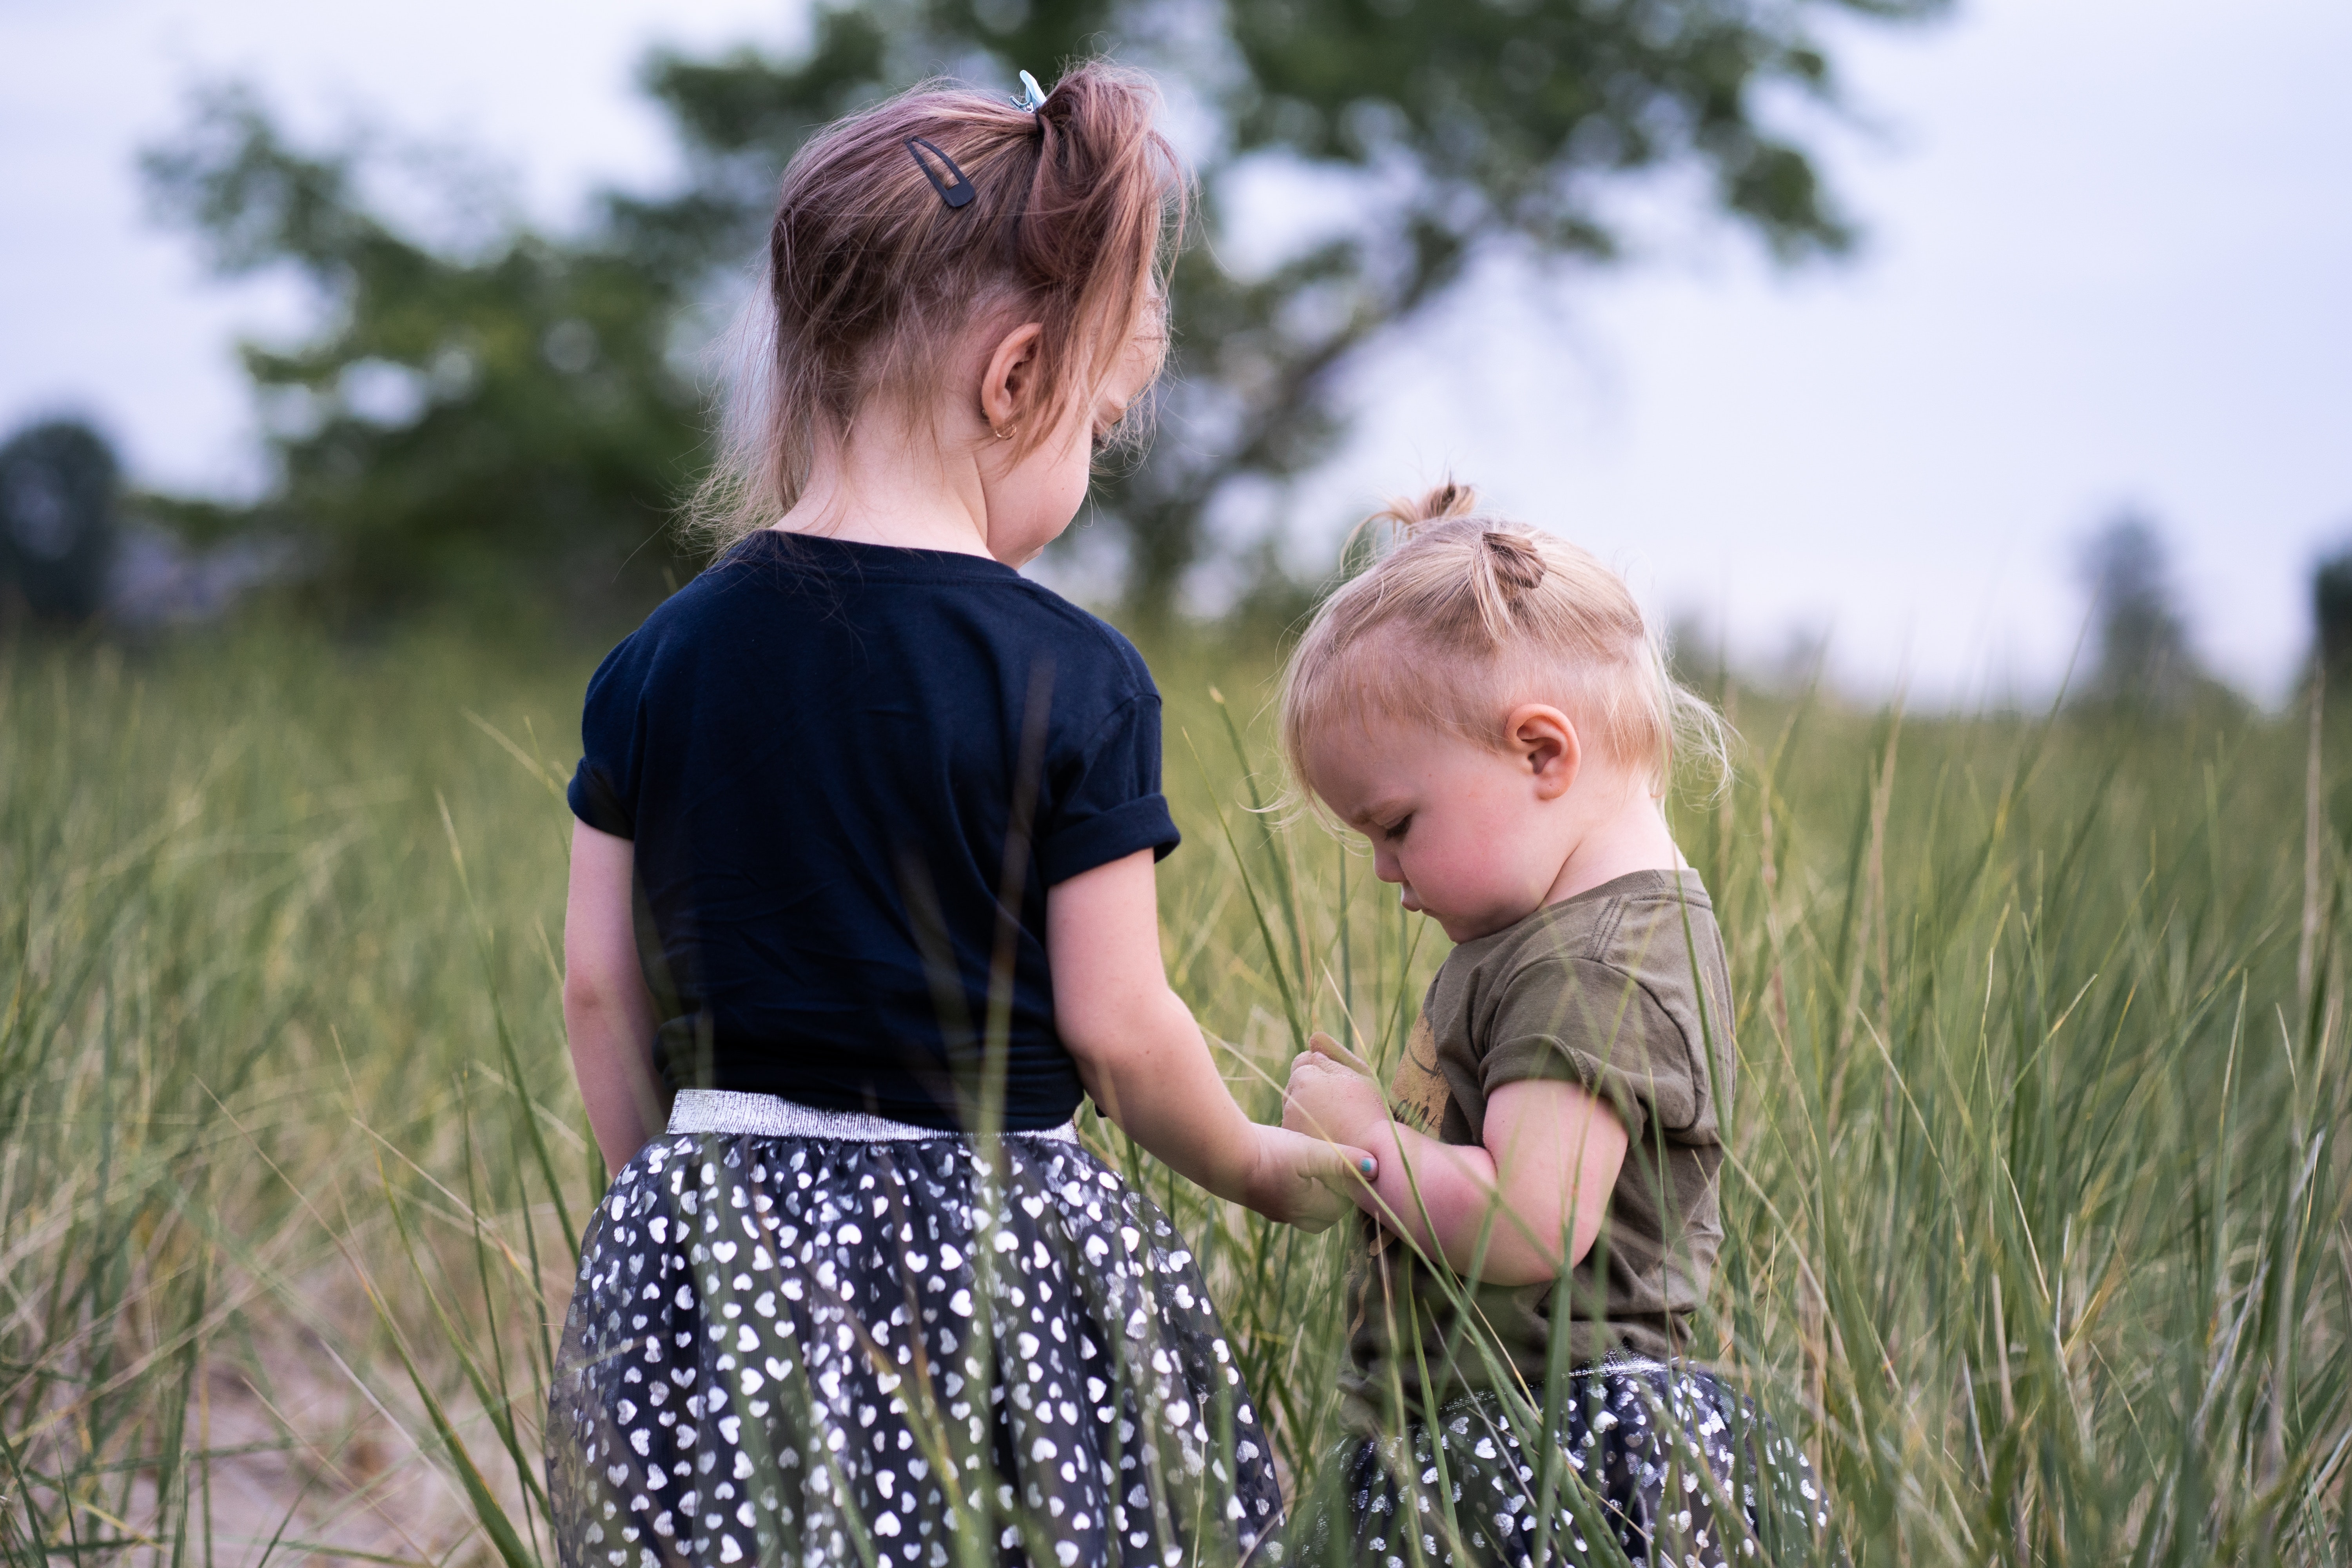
[731, 1112]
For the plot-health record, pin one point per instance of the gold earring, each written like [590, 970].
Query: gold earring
[1005, 434]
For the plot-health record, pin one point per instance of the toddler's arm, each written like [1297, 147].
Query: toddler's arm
[1500, 1210]
[1143, 1060]
[608, 1014]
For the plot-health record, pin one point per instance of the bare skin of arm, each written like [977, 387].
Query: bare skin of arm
[1143, 1060]
[1509, 1211]
[608, 1014]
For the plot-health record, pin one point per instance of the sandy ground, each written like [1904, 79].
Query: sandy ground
[312, 1468]
[294, 1458]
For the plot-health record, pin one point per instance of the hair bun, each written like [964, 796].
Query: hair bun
[1446, 499]
[1517, 561]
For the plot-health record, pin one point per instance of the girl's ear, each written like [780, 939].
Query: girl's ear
[1008, 387]
[1545, 739]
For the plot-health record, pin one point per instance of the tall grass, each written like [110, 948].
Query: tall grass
[2036, 1197]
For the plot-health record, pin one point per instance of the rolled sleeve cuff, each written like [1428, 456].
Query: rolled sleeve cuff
[1140, 824]
[594, 801]
[1520, 1060]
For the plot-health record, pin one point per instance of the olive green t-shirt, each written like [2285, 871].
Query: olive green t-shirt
[1625, 990]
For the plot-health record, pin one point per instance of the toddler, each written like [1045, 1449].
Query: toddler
[1486, 706]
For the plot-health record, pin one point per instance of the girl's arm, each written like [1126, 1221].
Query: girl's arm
[1142, 1059]
[1500, 1210]
[608, 1014]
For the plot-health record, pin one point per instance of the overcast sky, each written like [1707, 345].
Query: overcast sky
[2109, 246]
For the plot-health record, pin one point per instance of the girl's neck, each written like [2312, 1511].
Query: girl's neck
[899, 491]
[1629, 835]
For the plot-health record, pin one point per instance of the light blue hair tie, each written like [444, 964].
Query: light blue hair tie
[1031, 96]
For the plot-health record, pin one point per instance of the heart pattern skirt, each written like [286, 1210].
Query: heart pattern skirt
[1666, 1462]
[928, 1349]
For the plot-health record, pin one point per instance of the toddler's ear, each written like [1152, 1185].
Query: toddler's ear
[1323, 1044]
[1546, 739]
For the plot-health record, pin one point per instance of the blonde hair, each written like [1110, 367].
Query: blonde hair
[872, 276]
[1467, 616]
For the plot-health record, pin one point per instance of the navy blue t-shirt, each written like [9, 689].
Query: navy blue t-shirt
[823, 751]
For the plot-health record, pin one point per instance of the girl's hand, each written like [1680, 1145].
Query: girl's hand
[1307, 1182]
[1143, 1060]
[1333, 1096]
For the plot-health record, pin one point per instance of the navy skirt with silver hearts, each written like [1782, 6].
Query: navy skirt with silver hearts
[804, 1337]
[1666, 1461]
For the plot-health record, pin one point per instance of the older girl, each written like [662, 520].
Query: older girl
[862, 885]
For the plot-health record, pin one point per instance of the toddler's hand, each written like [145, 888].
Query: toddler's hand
[1305, 1182]
[1332, 1095]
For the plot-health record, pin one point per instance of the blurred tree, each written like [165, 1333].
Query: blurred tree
[1451, 133]
[2331, 614]
[1456, 131]
[2331, 666]
[2144, 657]
[464, 413]
[59, 487]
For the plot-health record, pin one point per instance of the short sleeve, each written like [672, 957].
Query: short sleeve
[1587, 1023]
[1106, 801]
[604, 792]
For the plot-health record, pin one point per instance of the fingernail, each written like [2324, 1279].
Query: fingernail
[1369, 1165]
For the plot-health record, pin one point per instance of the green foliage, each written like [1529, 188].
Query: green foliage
[59, 489]
[465, 415]
[2036, 1202]
[2331, 614]
[517, 404]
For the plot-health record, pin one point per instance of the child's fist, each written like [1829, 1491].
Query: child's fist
[1332, 1095]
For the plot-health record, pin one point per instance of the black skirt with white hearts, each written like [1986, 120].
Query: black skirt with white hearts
[835, 1346]
[1668, 1462]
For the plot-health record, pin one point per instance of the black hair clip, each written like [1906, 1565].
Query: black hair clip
[957, 191]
